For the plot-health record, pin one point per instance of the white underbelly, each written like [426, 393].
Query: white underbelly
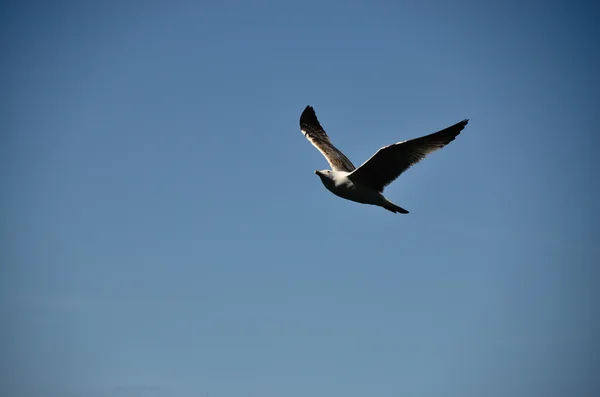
[349, 191]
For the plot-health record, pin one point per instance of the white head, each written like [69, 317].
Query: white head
[326, 177]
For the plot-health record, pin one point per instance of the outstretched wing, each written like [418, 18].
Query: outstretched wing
[312, 130]
[391, 161]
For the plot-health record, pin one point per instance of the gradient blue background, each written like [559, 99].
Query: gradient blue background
[163, 233]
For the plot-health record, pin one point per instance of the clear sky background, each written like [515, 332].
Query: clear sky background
[163, 232]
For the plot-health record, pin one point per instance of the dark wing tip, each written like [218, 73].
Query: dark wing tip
[458, 127]
[461, 124]
[309, 118]
[447, 135]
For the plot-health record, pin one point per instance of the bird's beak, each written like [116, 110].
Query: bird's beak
[317, 172]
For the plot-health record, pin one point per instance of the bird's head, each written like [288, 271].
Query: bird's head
[323, 173]
[326, 176]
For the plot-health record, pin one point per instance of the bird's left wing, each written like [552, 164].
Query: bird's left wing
[312, 130]
[391, 161]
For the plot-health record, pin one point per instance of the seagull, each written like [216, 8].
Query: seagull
[365, 184]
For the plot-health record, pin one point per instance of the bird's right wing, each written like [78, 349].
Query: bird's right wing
[391, 161]
[312, 130]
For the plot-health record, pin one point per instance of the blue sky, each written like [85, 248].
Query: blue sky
[163, 232]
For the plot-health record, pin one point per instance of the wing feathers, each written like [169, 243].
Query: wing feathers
[391, 161]
[312, 130]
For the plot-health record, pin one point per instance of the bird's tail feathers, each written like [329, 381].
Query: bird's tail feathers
[394, 208]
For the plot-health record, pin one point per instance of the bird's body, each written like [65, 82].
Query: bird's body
[339, 183]
[365, 184]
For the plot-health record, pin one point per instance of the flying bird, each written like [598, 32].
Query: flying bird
[365, 184]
